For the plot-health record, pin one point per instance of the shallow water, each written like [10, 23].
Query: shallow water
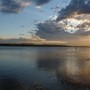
[46, 68]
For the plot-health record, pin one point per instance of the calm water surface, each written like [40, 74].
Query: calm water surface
[44, 68]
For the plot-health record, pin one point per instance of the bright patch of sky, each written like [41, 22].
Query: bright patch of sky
[70, 25]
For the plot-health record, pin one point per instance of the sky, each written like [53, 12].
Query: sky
[45, 19]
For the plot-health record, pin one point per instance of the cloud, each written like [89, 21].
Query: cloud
[40, 2]
[75, 7]
[66, 29]
[52, 30]
[12, 6]
[15, 6]
[14, 40]
[73, 22]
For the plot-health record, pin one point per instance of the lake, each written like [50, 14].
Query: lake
[44, 68]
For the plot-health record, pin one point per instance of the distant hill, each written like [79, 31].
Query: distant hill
[40, 42]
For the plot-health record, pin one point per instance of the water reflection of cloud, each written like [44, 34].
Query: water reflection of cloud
[49, 60]
[48, 64]
[71, 66]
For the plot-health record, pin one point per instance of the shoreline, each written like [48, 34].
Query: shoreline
[38, 45]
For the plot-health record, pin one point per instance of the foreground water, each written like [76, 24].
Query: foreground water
[44, 68]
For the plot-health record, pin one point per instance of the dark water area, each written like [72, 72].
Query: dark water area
[44, 68]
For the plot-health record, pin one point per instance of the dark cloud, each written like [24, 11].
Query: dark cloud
[40, 2]
[52, 30]
[63, 30]
[15, 6]
[82, 32]
[84, 25]
[75, 6]
[49, 27]
[84, 29]
[12, 6]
